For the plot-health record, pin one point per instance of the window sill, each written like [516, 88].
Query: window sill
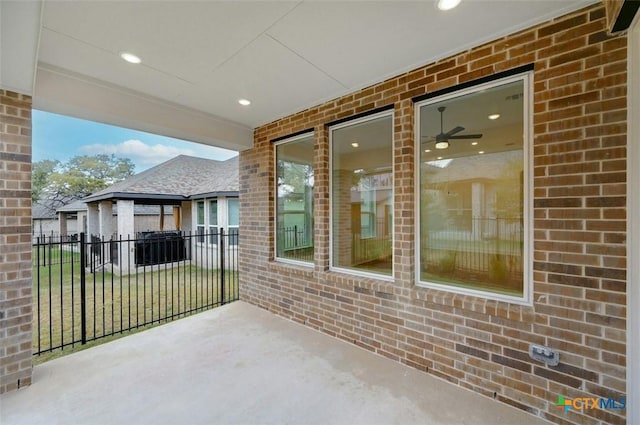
[291, 268]
[380, 287]
[492, 307]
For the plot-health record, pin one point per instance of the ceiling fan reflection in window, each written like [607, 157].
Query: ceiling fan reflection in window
[442, 139]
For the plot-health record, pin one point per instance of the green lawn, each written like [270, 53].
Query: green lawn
[116, 303]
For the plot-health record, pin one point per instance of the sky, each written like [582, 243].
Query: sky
[60, 137]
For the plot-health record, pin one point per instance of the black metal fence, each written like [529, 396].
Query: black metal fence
[295, 243]
[476, 248]
[100, 288]
[52, 249]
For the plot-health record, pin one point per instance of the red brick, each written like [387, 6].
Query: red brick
[579, 199]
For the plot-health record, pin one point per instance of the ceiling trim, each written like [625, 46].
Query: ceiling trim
[625, 17]
[62, 92]
[20, 25]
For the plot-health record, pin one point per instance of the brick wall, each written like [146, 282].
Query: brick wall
[579, 201]
[15, 241]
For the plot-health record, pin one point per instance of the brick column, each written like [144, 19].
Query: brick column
[16, 297]
[342, 219]
[321, 211]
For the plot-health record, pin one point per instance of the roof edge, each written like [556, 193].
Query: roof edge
[227, 194]
[136, 197]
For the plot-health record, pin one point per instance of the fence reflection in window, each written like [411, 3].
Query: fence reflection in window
[472, 191]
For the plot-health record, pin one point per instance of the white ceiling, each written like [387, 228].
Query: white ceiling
[200, 57]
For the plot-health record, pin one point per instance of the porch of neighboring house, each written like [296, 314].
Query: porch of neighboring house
[187, 202]
[241, 364]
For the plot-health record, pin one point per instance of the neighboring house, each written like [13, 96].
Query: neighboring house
[201, 194]
[192, 195]
[45, 221]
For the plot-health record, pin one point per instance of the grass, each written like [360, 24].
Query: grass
[117, 305]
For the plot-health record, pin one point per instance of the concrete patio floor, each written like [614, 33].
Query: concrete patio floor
[239, 364]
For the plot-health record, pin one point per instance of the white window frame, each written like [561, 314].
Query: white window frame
[205, 210]
[212, 229]
[208, 229]
[231, 226]
[349, 123]
[275, 205]
[527, 208]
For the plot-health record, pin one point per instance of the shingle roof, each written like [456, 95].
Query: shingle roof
[182, 176]
[41, 211]
[77, 205]
[490, 166]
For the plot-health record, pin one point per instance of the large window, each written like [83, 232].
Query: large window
[473, 190]
[294, 199]
[362, 195]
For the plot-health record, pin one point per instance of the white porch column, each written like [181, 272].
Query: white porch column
[125, 220]
[93, 220]
[62, 224]
[187, 218]
[105, 210]
[126, 232]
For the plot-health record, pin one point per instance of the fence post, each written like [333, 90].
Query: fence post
[222, 265]
[83, 289]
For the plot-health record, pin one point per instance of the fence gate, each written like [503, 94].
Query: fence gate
[87, 288]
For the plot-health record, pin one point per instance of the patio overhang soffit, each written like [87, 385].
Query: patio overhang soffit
[200, 58]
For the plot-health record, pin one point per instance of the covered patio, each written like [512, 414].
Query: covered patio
[241, 364]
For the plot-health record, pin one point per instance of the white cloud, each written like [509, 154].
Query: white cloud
[141, 154]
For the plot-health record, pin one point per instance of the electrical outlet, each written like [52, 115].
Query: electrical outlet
[544, 354]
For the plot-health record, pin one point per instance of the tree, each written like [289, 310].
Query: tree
[40, 177]
[79, 177]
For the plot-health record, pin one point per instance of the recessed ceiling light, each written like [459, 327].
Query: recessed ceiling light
[427, 150]
[244, 102]
[447, 4]
[474, 143]
[355, 144]
[481, 152]
[439, 157]
[130, 57]
[494, 116]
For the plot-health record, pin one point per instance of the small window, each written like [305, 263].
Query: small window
[294, 199]
[233, 214]
[473, 190]
[361, 183]
[200, 226]
[213, 222]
